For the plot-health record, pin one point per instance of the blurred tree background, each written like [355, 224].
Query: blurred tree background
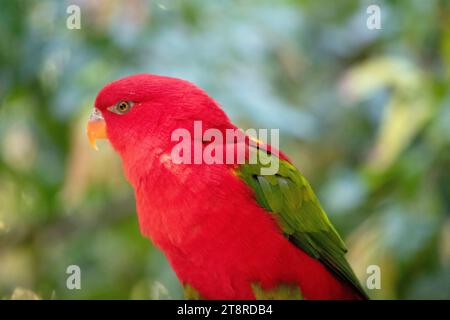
[365, 114]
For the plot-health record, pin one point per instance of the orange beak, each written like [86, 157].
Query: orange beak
[96, 128]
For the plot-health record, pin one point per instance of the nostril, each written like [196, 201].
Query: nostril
[96, 115]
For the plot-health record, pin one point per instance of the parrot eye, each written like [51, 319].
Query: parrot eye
[121, 107]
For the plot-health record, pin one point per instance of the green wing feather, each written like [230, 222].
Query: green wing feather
[280, 292]
[288, 195]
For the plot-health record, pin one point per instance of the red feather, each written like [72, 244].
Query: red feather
[204, 217]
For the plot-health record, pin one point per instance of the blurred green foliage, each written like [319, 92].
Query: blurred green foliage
[365, 114]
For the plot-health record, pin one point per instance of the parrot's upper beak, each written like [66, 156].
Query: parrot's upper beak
[96, 128]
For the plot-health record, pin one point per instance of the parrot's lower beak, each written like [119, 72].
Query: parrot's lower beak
[96, 128]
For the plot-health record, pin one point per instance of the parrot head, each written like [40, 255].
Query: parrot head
[138, 113]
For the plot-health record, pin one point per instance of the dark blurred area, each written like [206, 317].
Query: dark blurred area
[364, 114]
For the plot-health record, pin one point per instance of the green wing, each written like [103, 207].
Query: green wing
[288, 195]
[280, 292]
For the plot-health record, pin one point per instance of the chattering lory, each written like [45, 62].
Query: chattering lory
[228, 230]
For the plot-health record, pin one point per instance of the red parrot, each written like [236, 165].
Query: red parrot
[228, 231]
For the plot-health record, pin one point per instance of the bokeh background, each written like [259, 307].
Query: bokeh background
[365, 114]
